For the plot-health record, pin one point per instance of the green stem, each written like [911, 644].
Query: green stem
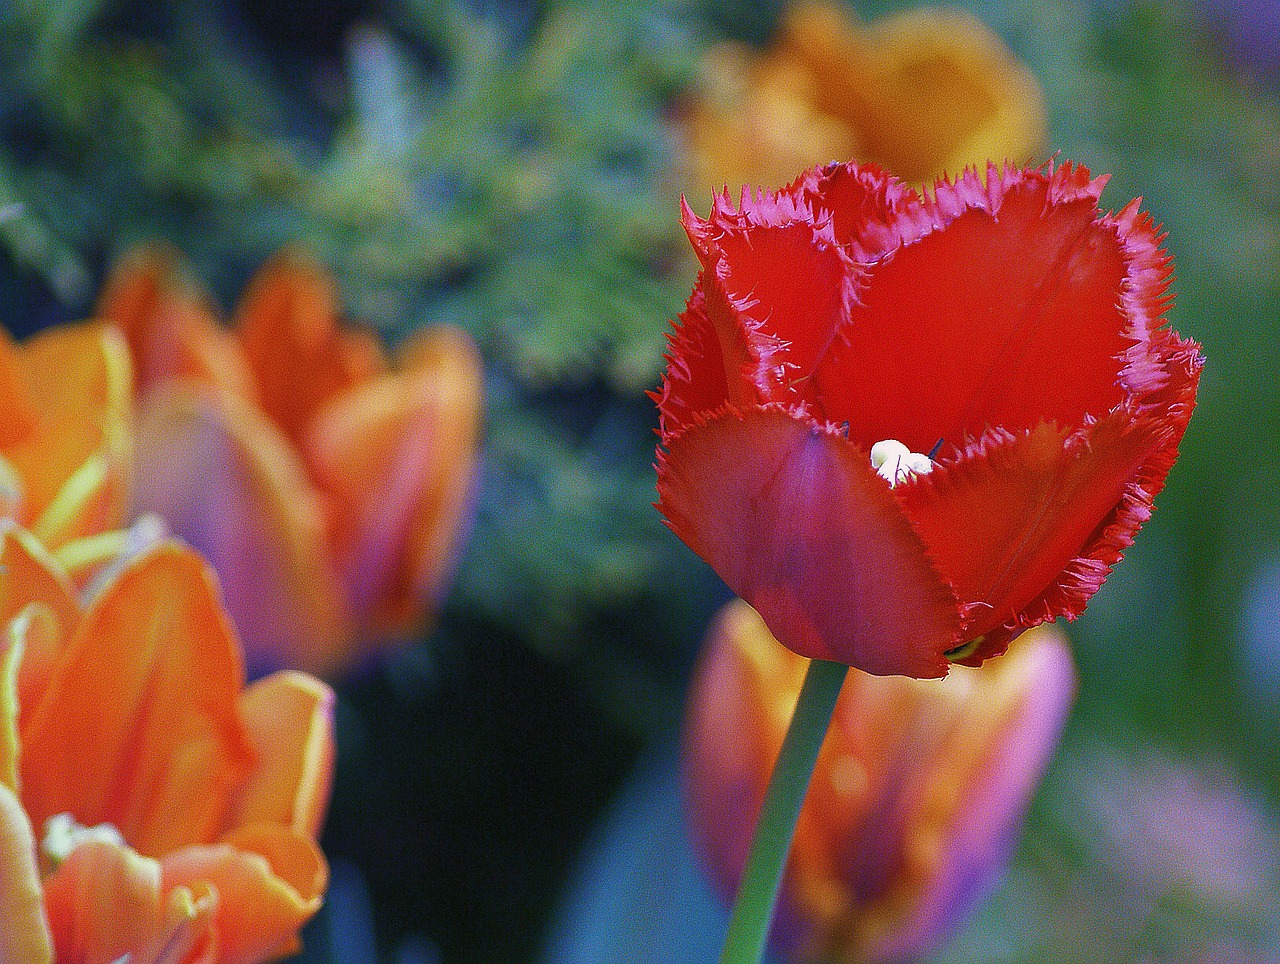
[762, 878]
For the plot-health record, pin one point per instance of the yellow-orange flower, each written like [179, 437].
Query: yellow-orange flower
[915, 800]
[923, 93]
[65, 448]
[330, 488]
[150, 805]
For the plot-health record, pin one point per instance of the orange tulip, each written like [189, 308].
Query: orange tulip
[924, 93]
[65, 449]
[176, 810]
[915, 800]
[330, 489]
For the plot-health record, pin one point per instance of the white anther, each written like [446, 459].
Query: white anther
[62, 834]
[895, 462]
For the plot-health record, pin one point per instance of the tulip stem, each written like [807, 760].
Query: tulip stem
[762, 878]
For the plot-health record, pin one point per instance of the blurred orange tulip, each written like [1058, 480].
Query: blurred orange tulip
[177, 811]
[65, 450]
[330, 490]
[915, 800]
[923, 93]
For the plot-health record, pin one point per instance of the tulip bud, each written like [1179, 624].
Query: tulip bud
[916, 799]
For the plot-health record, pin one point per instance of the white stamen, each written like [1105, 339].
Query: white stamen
[894, 461]
[62, 834]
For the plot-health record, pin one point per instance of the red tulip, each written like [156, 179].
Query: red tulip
[1006, 327]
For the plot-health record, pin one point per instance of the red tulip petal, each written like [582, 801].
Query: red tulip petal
[798, 524]
[1008, 518]
[861, 201]
[24, 935]
[139, 726]
[1084, 574]
[1001, 308]
[289, 717]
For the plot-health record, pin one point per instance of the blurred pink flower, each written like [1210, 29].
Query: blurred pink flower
[914, 804]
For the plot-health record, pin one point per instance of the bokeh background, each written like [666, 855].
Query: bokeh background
[505, 787]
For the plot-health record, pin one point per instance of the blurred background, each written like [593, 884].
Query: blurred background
[505, 787]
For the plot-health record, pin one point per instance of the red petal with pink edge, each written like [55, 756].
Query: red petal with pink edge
[798, 524]
[1000, 309]
[1008, 518]
[860, 201]
[767, 263]
[694, 380]
[1080, 578]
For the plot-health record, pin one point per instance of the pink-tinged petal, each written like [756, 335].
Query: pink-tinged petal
[103, 902]
[993, 769]
[139, 726]
[269, 880]
[740, 701]
[29, 576]
[798, 524]
[915, 798]
[287, 322]
[1001, 308]
[289, 717]
[398, 456]
[24, 933]
[1006, 519]
[186, 934]
[226, 480]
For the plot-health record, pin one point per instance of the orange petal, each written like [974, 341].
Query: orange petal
[796, 521]
[19, 416]
[287, 321]
[289, 717]
[74, 464]
[171, 329]
[103, 902]
[226, 481]
[24, 934]
[269, 880]
[29, 576]
[398, 456]
[186, 934]
[139, 726]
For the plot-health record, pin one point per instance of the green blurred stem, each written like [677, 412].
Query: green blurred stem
[758, 892]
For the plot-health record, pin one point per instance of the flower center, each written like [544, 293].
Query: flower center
[62, 835]
[894, 461]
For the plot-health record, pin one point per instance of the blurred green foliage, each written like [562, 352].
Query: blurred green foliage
[511, 167]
